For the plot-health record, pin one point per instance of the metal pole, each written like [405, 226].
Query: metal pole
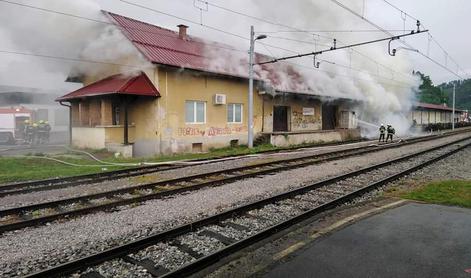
[250, 108]
[126, 124]
[453, 122]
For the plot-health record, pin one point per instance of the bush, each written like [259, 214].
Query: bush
[442, 126]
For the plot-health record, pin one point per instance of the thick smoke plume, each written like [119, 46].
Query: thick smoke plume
[385, 96]
[101, 47]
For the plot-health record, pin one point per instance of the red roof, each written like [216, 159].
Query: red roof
[163, 46]
[435, 106]
[139, 85]
[13, 110]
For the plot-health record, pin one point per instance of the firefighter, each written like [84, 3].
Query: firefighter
[28, 132]
[390, 131]
[42, 132]
[48, 130]
[382, 131]
[34, 134]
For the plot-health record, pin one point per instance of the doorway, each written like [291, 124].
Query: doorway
[280, 118]
[328, 116]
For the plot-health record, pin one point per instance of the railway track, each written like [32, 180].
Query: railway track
[186, 249]
[57, 183]
[40, 213]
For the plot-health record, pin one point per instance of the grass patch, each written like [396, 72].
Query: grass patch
[15, 169]
[453, 192]
[25, 168]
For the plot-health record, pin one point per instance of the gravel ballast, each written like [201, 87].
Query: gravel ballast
[92, 188]
[33, 248]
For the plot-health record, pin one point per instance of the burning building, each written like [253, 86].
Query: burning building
[189, 100]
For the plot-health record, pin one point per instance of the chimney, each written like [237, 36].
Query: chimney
[182, 31]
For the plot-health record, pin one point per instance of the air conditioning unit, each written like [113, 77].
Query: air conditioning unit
[219, 99]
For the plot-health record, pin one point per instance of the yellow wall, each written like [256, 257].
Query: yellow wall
[176, 87]
[159, 125]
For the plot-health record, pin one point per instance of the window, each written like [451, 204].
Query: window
[234, 113]
[116, 114]
[195, 112]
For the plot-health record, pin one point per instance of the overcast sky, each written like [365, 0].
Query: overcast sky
[445, 19]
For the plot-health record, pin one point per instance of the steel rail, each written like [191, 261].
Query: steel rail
[4, 190]
[57, 183]
[213, 258]
[136, 245]
[19, 211]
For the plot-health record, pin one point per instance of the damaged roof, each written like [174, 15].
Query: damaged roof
[167, 47]
[118, 84]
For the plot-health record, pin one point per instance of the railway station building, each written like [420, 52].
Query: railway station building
[427, 113]
[194, 98]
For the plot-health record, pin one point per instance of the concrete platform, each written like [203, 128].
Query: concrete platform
[414, 240]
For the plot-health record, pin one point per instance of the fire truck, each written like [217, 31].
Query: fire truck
[12, 121]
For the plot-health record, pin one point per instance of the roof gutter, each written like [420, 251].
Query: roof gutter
[70, 120]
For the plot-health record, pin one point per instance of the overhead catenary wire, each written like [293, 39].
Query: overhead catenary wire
[139, 29]
[431, 37]
[326, 45]
[334, 48]
[70, 59]
[118, 26]
[207, 26]
[354, 78]
[386, 32]
[331, 31]
[299, 30]
[115, 25]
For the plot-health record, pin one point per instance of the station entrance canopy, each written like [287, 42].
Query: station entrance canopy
[136, 85]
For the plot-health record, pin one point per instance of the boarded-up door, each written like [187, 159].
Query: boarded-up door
[328, 116]
[280, 118]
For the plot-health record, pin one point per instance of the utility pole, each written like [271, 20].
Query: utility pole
[453, 122]
[251, 58]
[251, 73]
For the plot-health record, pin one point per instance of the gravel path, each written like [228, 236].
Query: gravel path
[457, 166]
[34, 248]
[53, 195]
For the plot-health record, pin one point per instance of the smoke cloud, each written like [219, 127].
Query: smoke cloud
[32, 31]
[385, 95]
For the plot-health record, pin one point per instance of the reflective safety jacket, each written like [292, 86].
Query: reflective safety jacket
[382, 129]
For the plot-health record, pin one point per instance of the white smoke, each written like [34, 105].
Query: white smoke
[383, 99]
[385, 95]
[102, 48]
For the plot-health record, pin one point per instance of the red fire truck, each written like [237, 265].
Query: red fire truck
[12, 121]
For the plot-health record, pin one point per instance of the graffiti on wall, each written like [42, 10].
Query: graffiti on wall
[210, 131]
[300, 120]
[191, 131]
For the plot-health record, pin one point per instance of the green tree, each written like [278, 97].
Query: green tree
[430, 93]
[463, 93]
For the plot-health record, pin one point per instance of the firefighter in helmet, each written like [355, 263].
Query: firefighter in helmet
[47, 128]
[391, 132]
[382, 132]
[42, 132]
[28, 132]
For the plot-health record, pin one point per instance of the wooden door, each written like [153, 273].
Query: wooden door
[280, 118]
